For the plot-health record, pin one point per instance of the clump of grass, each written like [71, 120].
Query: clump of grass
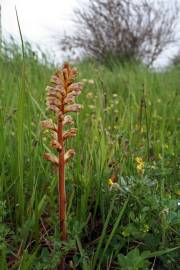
[61, 100]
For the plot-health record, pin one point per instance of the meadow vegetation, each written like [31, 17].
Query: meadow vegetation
[123, 184]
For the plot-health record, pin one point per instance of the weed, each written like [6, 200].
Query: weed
[61, 100]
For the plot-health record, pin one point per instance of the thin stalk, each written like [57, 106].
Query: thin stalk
[62, 191]
[147, 132]
[20, 129]
[147, 124]
[61, 187]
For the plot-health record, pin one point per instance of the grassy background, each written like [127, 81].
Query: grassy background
[129, 111]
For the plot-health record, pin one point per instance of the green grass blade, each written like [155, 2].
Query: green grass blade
[116, 224]
[103, 235]
[20, 132]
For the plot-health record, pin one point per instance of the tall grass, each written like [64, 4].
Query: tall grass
[105, 222]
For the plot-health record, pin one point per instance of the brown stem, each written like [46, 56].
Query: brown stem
[62, 264]
[62, 192]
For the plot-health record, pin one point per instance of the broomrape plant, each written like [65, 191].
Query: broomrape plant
[60, 99]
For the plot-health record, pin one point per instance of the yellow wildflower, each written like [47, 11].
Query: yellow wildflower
[139, 165]
[112, 185]
[139, 160]
[110, 182]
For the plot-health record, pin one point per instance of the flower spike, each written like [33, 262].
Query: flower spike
[60, 99]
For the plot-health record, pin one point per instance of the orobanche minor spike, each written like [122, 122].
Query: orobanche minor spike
[60, 99]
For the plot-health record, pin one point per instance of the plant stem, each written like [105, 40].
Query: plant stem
[147, 130]
[147, 124]
[62, 191]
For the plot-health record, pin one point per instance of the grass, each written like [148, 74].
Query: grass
[129, 111]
